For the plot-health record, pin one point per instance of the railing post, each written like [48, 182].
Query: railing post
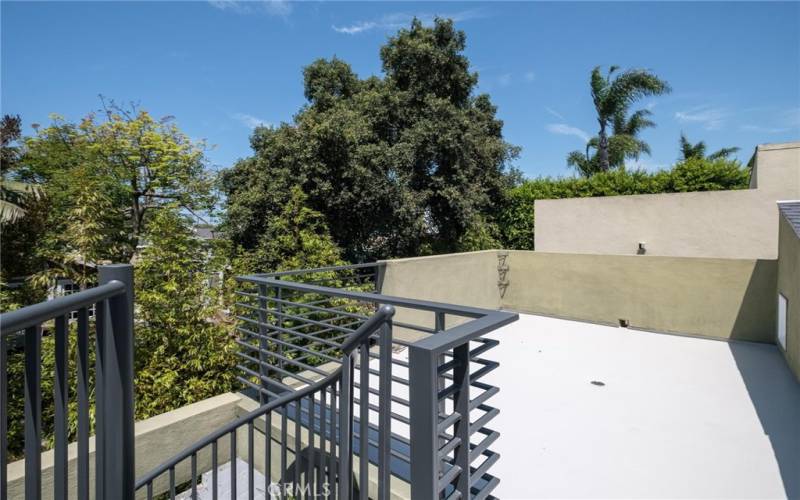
[118, 421]
[423, 396]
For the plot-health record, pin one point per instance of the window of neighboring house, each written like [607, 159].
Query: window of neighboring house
[66, 286]
[783, 306]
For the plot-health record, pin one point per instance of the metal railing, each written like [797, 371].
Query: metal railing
[323, 352]
[421, 412]
[324, 467]
[113, 387]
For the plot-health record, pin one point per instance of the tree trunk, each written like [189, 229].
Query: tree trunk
[602, 148]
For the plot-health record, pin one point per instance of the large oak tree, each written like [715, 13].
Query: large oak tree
[398, 165]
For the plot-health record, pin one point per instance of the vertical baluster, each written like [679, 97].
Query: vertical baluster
[214, 467]
[33, 413]
[150, 490]
[279, 320]
[425, 464]
[310, 458]
[363, 428]
[442, 381]
[233, 464]
[82, 367]
[262, 341]
[384, 414]
[346, 429]
[3, 418]
[61, 395]
[194, 476]
[323, 438]
[250, 463]
[172, 483]
[284, 438]
[333, 454]
[298, 456]
[100, 313]
[267, 453]
[461, 405]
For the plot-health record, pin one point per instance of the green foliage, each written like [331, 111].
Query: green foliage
[694, 174]
[612, 95]
[16, 400]
[140, 163]
[689, 150]
[296, 238]
[397, 166]
[183, 354]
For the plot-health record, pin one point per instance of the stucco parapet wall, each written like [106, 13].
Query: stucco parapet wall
[157, 439]
[717, 224]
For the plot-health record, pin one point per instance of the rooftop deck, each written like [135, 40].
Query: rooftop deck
[678, 417]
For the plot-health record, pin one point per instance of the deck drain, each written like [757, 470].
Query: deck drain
[597, 383]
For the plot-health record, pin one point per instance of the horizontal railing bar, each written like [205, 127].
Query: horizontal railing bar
[268, 380]
[485, 395]
[289, 331]
[450, 446]
[487, 489]
[448, 422]
[483, 420]
[490, 438]
[284, 343]
[276, 368]
[314, 270]
[491, 458]
[376, 408]
[448, 477]
[473, 312]
[460, 334]
[280, 357]
[14, 321]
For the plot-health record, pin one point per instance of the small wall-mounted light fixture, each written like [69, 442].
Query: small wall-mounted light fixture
[641, 250]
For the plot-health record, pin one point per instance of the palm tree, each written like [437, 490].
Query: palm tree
[623, 144]
[689, 150]
[12, 193]
[612, 96]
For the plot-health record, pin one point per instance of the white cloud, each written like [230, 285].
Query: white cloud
[280, 8]
[399, 20]
[529, 76]
[356, 28]
[709, 117]
[564, 129]
[764, 130]
[555, 113]
[249, 121]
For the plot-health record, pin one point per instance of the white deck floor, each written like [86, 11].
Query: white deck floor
[678, 417]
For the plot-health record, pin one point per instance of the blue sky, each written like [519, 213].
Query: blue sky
[223, 67]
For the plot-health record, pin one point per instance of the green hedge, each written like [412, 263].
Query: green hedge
[517, 220]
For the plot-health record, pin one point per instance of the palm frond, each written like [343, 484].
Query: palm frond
[723, 153]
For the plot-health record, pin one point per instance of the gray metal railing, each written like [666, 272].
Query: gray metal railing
[421, 410]
[114, 422]
[324, 467]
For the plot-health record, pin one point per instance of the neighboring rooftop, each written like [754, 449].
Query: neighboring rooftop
[677, 417]
[791, 211]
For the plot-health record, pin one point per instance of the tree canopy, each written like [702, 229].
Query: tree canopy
[400, 165]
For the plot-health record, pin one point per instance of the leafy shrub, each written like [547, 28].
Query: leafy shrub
[517, 220]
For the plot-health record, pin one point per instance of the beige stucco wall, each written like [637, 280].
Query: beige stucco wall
[157, 439]
[720, 224]
[719, 298]
[789, 286]
[468, 279]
